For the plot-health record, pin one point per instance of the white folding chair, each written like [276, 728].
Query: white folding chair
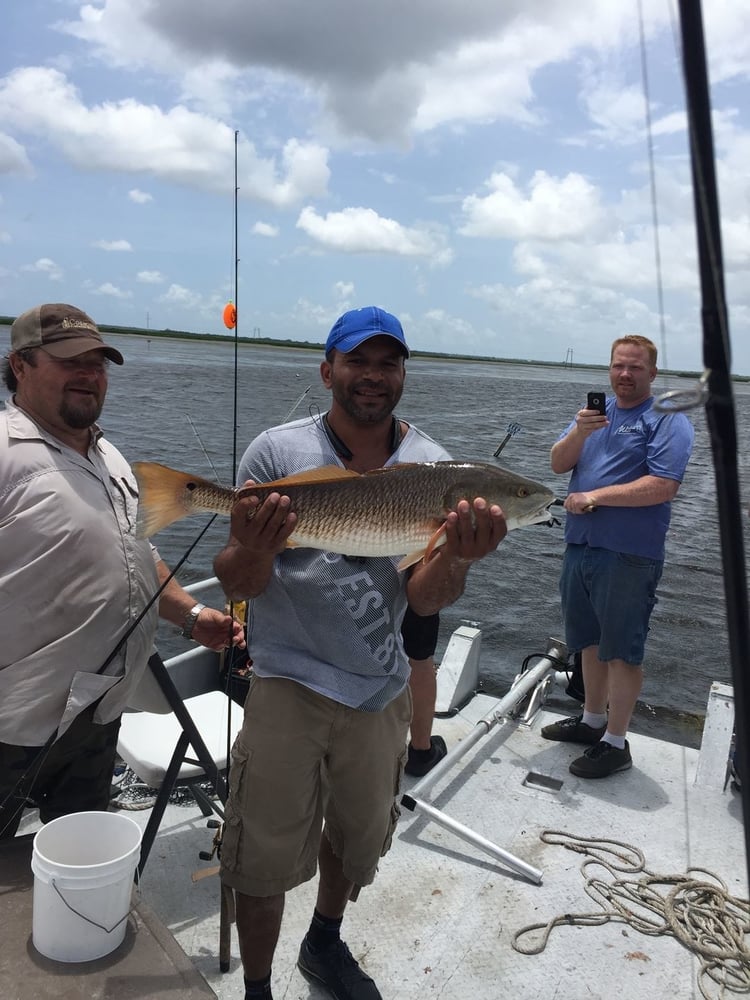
[177, 732]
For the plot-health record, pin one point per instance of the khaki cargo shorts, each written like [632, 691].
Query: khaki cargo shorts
[300, 759]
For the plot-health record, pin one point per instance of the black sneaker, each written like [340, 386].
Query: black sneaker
[256, 993]
[602, 760]
[573, 730]
[420, 762]
[336, 971]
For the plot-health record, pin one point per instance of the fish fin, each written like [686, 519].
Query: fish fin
[411, 559]
[438, 538]
[386, 469]
[325, 474]
[160, 496]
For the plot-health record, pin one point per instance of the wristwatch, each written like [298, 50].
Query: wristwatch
[190, 619]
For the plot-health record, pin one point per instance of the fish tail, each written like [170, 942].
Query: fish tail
[161, 497]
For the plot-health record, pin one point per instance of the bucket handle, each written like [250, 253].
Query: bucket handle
[107, 930]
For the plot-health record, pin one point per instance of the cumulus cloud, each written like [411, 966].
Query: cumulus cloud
[265, 229]
[46, 266]
[554, 208]
[150, 277]
[113, 246]
[178, 295]
[728, 41]
[139, 197]
[362, 230]
[367, 74]
[109, 290]
[550, 311]
[13, 157]
[446, 61]
[178, 144]
[306, 174]
[616, 110]
[627, 264]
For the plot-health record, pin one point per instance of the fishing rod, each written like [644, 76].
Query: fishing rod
[235, 394]
[297, 404]
[720, 412]
[229, 655]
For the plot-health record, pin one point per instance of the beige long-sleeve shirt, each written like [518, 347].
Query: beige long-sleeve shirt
[73, 577]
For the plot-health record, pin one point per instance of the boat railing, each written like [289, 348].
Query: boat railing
[200, 585]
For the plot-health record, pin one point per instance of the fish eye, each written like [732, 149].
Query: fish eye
[191, 486]
[522, 491]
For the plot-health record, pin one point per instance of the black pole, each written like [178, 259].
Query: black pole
[720, 413]
[237, 319]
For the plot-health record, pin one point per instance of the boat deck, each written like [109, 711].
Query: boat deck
[441, 917]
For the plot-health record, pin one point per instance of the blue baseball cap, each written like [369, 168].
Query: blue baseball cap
[358, 325]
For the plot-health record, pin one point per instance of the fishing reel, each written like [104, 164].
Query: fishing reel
[553, 522]
[215, 852]
[227, 908]
[213, 824]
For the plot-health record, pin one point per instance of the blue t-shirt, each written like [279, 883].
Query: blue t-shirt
[637, 442]
[330, 622]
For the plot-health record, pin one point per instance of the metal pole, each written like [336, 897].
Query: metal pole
[526, 683]
[509, 860]
[720, 409]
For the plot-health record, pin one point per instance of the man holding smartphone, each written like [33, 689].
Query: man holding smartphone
[627, 464]
[597, 401]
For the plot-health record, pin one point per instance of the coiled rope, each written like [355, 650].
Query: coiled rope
[698, 911]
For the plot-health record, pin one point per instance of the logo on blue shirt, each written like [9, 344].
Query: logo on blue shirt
[631, 429]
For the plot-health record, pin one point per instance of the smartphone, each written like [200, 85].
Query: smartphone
[597, 401]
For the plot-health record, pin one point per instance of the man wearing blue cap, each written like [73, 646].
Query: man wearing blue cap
[327, 715]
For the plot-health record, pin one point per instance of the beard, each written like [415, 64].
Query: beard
[81, 413]
[375, 411]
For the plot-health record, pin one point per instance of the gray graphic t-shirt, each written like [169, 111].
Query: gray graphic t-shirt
[330, 622]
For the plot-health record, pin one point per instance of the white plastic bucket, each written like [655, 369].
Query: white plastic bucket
[83, 867]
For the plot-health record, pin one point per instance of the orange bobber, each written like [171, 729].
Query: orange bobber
[230, 316]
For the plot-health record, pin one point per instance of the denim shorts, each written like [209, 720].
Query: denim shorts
[607, 600]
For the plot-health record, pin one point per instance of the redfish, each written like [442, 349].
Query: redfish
[399, 510]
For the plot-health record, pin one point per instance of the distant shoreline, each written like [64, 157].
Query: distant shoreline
[306, 345]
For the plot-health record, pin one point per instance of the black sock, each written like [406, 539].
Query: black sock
[421, 754]
[258, 989]
[323, 932]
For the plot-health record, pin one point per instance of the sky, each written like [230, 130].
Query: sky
[482, 169]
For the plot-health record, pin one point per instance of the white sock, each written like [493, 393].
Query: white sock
[594, 720]
[616, 741]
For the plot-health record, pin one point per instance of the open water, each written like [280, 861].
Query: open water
[172, 402]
